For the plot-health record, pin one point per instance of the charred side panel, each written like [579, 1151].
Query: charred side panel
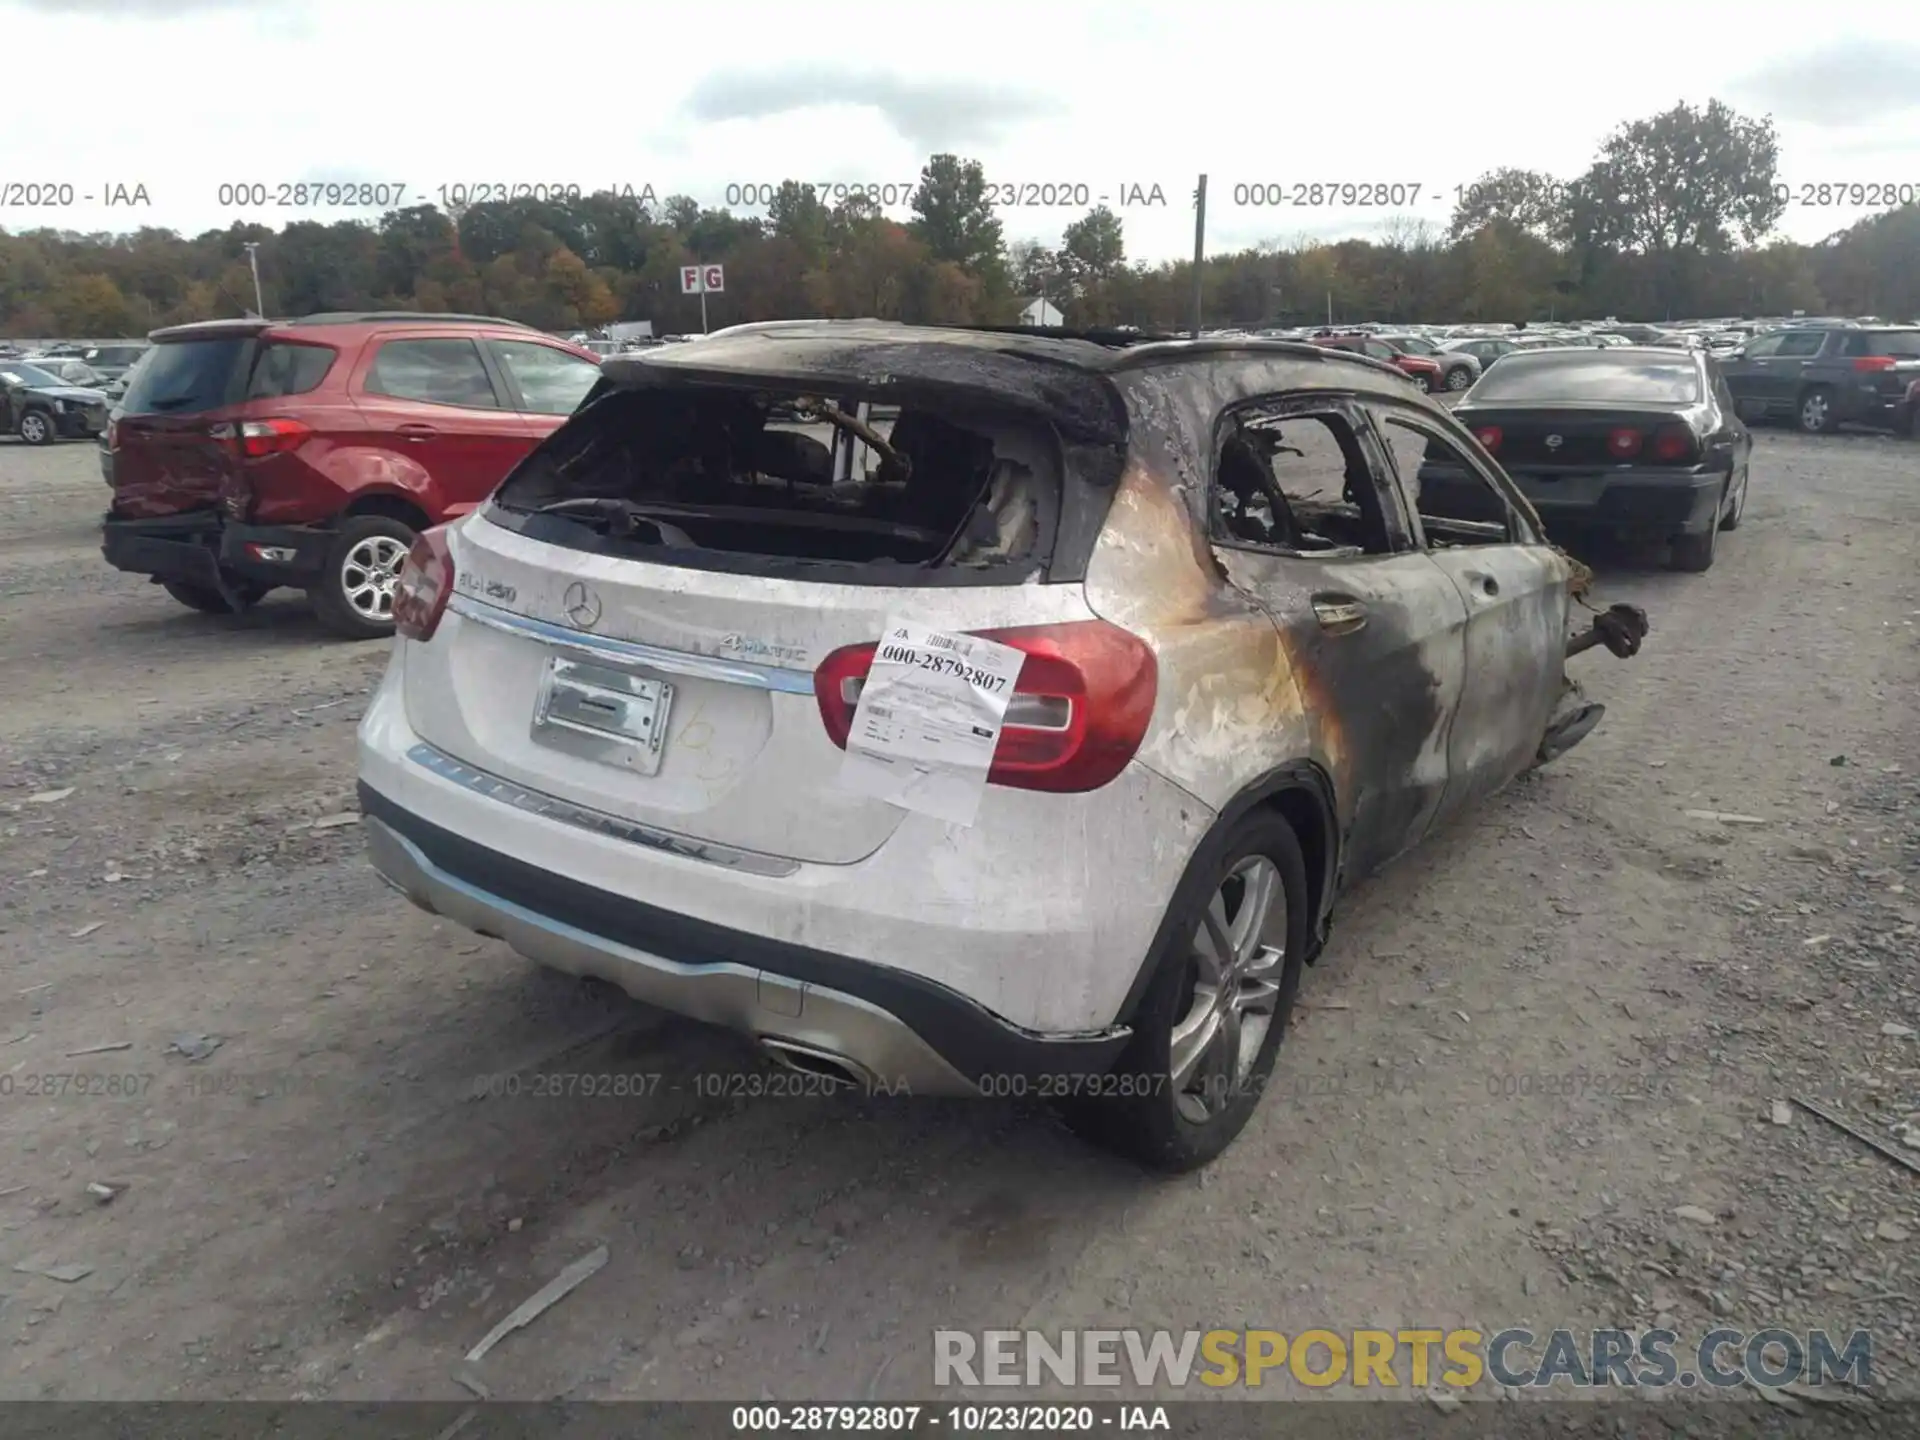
[1383, 696]
[1253, 676]
[1228, 707]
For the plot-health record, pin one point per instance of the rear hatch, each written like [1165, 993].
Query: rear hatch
[689, 556]
[165, 451]
[1891, 363]
[200, 426]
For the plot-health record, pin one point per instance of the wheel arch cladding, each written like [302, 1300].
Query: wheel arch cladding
[390, 507]
[1301, 794]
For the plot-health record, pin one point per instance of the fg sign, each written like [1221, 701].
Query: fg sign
[703, 279]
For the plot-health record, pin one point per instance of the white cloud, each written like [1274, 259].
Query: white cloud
[1092, 100]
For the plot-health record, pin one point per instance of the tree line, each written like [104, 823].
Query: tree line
[1675, 217]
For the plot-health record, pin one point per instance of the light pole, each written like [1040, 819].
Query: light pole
[253, 263]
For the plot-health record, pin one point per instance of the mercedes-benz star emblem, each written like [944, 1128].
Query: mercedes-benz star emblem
[581, 606]
[1554, 442]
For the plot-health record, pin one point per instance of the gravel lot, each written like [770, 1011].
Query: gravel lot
[1528, 1044]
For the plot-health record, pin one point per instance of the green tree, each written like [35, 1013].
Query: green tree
[798, 215]
[953, 217]
[1094, 248]
[1529, 200]
[1676, 187]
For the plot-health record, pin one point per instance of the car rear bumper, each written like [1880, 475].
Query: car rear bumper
[79, 424]
[949, 958]
[205, 549]
[1629, 501]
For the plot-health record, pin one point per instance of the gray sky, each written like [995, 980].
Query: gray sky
[1060, 101]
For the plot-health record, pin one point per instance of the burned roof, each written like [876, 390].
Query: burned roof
[1066, 374]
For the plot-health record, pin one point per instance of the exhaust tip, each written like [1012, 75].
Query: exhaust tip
[809, 1060]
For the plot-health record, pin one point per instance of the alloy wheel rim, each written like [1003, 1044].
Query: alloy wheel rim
[1237, 954]
[1813, 411]
[33, 428]
[369, 574]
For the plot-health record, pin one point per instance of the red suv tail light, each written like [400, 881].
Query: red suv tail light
[1870, 363]
[1675, 445]
[425, 585]
[260, 438]
[1489, 438]
[1078, 713]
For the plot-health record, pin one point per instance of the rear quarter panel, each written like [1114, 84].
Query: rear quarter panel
[1233, 700]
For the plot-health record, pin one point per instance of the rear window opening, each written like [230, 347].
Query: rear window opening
[721, 477]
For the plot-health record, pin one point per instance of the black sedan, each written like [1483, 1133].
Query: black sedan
[40, 407]
[1639, 442]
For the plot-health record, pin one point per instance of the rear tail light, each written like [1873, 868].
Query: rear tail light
[1868, 364]
[113, 434]
[1489, 438]
[1675, 444]
[1078, 713]
[260, 438]
[1624, 443]
[425, 585]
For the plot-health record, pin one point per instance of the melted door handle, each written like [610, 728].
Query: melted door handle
[1339, 614]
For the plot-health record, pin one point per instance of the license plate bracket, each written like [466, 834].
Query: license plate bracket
[603, 713]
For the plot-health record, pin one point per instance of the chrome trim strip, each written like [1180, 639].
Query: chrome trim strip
[597, 822]
[632, 652]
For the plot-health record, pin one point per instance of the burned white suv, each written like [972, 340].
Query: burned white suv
[966, 711]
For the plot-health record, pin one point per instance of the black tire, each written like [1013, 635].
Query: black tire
[1459, 378]
[37, 428]
[1737, 509]
[1157, 1126]
[343, 606]
[209, 601]
[1814, 412]
[1694, 553]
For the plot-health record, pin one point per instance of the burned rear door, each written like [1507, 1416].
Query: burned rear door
[1372, 627]
[1515, 592]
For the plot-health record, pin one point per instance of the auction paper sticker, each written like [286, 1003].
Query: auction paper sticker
[928, 720]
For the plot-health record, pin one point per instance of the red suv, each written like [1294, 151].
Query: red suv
[1419, 369]
[251, 454]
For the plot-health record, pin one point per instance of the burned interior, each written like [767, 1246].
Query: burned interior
[1299, 480]
[720, 474]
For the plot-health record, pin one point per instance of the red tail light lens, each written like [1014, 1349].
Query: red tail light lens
[1675, 444]
[1079, 710]
[259, 438]
[1489, 437]
[113, 434]
[425, 585]
[1624, 443]
[1870, 363]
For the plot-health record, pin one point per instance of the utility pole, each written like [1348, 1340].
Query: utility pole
[1199, 250]
[253, 263]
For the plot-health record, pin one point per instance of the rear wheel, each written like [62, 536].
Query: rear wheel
[354, 595]
[1734, 512]
[37, 428]
[1459, 378]
[1816, 411]
[1694, 553]
[1209, 1029]
[210, 601]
